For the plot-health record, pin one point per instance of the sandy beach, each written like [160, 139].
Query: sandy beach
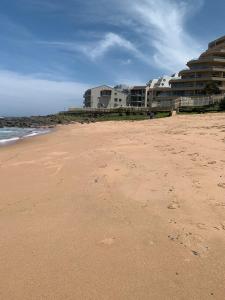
[115, 210]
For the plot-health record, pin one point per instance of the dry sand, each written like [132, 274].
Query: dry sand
[115, 210]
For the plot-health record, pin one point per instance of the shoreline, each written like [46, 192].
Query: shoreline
[34, 132]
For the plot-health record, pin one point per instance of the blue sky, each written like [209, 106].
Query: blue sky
[52, 50]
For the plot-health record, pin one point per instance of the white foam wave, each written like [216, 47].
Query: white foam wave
[5, 141]
[34, 133]
[10, 140]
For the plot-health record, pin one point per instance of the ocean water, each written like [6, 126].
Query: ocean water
[9, 135]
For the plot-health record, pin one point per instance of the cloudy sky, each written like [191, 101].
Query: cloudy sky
[52, 50]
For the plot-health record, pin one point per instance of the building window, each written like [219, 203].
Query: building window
[115, 99]
[106, 93]
[120, 100]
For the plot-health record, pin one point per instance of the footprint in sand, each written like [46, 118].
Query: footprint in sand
[172, 221]
[173, 205]
[212, 162]
[193, 242]
[108, 242]
[196, 184]
[194, 156]
[201, 226]
[145, 205]
[103, 166]
[221, 185]
[220, 204]
[221, 226]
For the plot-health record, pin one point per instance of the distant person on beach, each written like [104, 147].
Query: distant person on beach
[151, 115]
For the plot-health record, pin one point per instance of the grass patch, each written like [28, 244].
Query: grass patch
[109, 117]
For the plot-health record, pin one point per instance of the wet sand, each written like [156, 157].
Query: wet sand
[115, 210]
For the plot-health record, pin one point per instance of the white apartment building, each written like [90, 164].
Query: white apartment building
[159, 89]
[156, 90]
[105, 97]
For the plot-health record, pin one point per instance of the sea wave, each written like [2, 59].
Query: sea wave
[34, 133]
[11, 136]
[6, 131]
[10, 140]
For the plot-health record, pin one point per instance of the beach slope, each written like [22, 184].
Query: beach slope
[115, 210]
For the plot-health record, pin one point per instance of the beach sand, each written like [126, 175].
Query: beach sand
[115, 210]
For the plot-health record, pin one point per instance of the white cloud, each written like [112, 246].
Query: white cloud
[163, 22]
[109, 41]
[98, 49]
[157, 27]
[29, 95]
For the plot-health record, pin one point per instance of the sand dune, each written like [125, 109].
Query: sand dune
[115, 210]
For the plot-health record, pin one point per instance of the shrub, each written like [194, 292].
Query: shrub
[211, 88]
[222, 105]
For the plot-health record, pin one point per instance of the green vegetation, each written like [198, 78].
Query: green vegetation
[211, 88]
[130, 117]
[222, 105]
[115, 116]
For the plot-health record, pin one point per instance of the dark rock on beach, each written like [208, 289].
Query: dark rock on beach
[49, 121]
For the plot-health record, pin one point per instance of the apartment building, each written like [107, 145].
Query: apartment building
[208, 68]
[105, 97]
[155, 90]
[137, 96]
[159, 90]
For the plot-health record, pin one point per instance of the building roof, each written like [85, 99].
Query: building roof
[101, 86]
[216, 42]
[138, 87]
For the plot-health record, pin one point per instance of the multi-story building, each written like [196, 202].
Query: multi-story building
[208, 68]
[105, 97]
[137, 96]
[159, 90]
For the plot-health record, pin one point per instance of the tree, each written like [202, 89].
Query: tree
[211, 88]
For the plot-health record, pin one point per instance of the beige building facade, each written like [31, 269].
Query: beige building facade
[208, 68]
[159, 90]
[105, 97]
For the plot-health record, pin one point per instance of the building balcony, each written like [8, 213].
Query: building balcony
[208, 60]
[201, 69]
[182, 88]
[197, 79]
[137, 96]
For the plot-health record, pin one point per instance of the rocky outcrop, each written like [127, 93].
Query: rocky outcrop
[35, 121]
